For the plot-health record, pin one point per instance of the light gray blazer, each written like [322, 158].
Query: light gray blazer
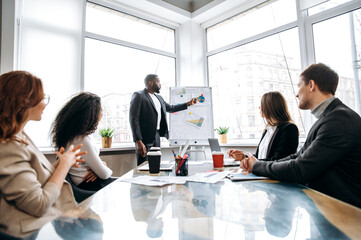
[27, 199]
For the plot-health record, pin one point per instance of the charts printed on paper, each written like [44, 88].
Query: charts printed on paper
[194, 119]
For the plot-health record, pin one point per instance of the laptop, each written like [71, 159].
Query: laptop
[164, 166]
[215, 147]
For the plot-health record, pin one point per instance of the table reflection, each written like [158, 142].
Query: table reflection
[225, 210]
[286, 200]
[81, 224]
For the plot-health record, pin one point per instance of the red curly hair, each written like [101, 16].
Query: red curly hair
[19, 91]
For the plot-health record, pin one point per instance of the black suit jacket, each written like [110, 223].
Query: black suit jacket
[329, 161]
[143, 116]
[284, 142]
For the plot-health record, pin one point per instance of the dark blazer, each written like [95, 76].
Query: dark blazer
[284, 142]
[143, 116]
[330, 159]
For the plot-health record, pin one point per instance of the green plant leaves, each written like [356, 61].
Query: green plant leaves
[222, 130]
[106, 132]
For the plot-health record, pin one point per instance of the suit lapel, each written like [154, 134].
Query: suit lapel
[271, 141]
[259, 143]
[311, 133]
[44, 161]
[146, 93]
[161, 103]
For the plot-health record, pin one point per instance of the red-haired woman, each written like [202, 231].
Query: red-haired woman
[32, 190]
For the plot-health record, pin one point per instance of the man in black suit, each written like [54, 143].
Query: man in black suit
[147, 116]
[330, 159]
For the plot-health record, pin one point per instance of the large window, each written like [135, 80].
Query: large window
[248, 57]
[241, 75]
[118, 25]
[325, 6]
[50, 48]
[344, 32]
[114, 73]
[120, 50]
[250, 23]
[273, 64]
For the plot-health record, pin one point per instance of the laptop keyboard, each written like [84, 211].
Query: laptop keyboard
[166, 165]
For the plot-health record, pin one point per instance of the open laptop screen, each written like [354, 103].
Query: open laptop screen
[214, 145]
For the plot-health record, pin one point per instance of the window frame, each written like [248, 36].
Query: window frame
[303, 24]
[127, 44]
[123, 43]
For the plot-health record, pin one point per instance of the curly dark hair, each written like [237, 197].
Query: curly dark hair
[78, 117]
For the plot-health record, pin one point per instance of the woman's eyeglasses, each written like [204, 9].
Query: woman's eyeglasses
[46, 99]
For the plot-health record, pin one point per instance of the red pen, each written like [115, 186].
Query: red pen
[182, 162]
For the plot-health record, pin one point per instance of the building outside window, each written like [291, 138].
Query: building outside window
[120, 50]
[272, 48]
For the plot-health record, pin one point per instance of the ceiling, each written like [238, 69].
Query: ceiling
[188, 5]
[205, 12]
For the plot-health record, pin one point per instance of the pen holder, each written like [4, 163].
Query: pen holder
[181, 166]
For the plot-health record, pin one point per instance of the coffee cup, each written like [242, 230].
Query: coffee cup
[154, 161]
[154, 149]
[217, 159]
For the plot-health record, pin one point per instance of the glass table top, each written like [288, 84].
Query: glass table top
[263, 209]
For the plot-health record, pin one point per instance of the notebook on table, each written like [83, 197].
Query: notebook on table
[215, 147]
[243, 176]
[164, 166]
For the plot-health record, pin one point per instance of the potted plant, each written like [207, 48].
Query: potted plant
[222, 131]
[106, 134]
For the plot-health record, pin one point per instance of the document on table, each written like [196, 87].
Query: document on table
[197, 162]
[155, 180]
[208, 177]
[205, 177]
[242, 176]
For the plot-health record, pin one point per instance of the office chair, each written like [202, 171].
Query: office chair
[79, 194]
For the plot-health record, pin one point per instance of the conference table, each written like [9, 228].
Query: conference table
[258, 209]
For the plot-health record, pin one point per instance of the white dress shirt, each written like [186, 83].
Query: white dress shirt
[157, 107]
[263, 146]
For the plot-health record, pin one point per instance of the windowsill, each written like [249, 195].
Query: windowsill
[130, 146]
[115, 147]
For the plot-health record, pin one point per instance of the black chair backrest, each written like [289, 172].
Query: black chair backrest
[79, 194]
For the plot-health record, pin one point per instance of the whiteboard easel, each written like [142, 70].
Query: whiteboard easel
[184, 149]
[195, 124]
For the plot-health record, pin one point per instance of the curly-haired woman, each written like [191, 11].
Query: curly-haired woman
[32, 190]
[73, 125]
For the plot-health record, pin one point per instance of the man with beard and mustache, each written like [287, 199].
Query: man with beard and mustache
[147, 116]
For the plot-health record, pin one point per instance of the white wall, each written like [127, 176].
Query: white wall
[191, 48]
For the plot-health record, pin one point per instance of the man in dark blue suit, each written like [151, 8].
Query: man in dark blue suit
[330, 159]
[147, 116]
